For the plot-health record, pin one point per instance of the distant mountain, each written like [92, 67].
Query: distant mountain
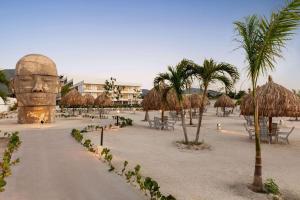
[211, 93]
[9, 73]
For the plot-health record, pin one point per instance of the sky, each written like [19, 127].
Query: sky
[134, 40]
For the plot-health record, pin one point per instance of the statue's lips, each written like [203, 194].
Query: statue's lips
[38, 96]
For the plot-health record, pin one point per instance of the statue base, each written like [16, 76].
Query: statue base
[36, 114]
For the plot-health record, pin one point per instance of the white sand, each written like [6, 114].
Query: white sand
[55, 167]
[220, 173]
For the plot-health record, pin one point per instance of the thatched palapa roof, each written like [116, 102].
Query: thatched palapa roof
[196, 99]
[88, 99]
[103, 100]
[72, 98]
[154, 100]
[274, 100]
[224, 101]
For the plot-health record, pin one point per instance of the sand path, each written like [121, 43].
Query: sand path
[54, 167]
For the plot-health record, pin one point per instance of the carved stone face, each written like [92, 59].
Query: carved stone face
[36, 86]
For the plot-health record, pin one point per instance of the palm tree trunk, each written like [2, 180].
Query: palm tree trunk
[186, 140]
[200, 115]
[257, 181]
[146, 116]
[162, 118]
[191, 119]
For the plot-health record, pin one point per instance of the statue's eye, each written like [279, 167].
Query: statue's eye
[26, 79]
[46, 79]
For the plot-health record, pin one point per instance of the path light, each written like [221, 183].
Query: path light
[218, 126]
[281, 122]
[118, 111]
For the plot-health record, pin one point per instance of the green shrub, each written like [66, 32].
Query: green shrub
[152, 187]
[13, 107]
[87, 143]
[129, 174]
[13, 145]
[125, 122]
[124, 166]
[271, 187]
[77, 135]
[2, 184]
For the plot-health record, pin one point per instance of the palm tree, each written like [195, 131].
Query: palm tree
[4, 81]
[262, 40]
[189, 82]
[176, 79]
[212, 72]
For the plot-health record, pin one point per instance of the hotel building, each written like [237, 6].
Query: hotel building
[130, 92]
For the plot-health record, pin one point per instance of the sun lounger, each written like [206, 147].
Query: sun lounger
[250, 131]
[284, 135]
[157, 123]
[264, 130]
[249, 120]
[151, 123]
[168, 125]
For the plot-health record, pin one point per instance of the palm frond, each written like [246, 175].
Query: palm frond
[275, 32]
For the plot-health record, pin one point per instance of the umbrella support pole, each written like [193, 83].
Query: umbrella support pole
[270, 125]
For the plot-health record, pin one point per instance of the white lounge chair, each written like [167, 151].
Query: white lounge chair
[249, 120]
[168, 125]
[284, 135]
[263, 130]
[250, 131]
[151, 123]
[157, 123]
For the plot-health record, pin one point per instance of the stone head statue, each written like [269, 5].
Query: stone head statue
[35, 85]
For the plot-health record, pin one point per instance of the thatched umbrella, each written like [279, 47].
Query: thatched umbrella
[224, 101]
[173, 103]
[88, 100]
[273, 100]
[152, 101]
[103, 100]
[72, 99]
[155, 100]
[194, 101]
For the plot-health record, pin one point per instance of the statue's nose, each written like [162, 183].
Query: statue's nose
[38, 85]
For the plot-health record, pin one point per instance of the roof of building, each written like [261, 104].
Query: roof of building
[90, 80]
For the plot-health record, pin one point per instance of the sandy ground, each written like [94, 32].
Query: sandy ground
[55, 167]
[220, 173]
[217, 174]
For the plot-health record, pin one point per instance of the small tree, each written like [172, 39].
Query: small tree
[211, 72]
[262, 40]
[175, 79]
[4, 81]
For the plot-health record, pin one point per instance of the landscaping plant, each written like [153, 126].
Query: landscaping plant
[262, 40]
[271, 187]
[13, 145]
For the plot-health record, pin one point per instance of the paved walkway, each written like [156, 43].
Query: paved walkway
[55, 167]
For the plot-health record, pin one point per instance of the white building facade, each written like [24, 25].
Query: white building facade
[130, 92]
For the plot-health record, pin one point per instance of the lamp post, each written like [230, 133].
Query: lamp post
[101, 136]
